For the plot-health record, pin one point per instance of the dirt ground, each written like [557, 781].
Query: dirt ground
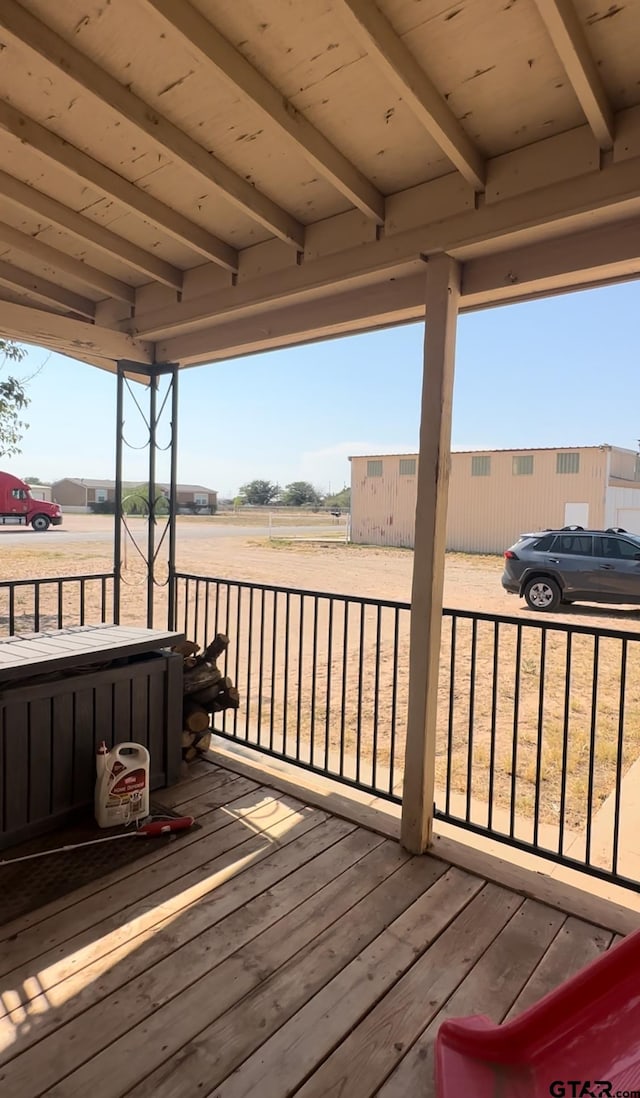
[331, 689]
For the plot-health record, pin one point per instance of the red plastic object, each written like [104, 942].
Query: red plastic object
[587, 1031]
[163, 827]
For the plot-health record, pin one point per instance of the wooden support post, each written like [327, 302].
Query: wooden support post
[443, 291]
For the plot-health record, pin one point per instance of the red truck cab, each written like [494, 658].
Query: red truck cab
[19, 508]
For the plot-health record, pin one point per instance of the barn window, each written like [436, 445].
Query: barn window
[374, 468]
[523, 465]
[481, 466]
[567, 463]
[407, 467]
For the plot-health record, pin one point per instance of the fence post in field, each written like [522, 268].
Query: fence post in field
[442, 294]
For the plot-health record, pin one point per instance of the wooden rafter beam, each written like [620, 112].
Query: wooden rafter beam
[68, 336]
[90, 232]
[23, 27]
[256, 89]
[60, 261]
[45, 291]
[568, 38]
[80, 164]
[465, 235]
[386, 48]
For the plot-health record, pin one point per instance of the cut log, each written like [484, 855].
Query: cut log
[190, 754]
[186, 648]
[195, 717]
[218, 645]
[200, 677]
[227, 699]
[187, 738]
[206, 697]
[202, 745]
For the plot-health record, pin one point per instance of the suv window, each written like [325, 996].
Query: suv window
[616, 548]
[542, 545]
[576, 544]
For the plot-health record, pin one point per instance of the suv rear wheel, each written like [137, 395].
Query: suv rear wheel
[542, 593]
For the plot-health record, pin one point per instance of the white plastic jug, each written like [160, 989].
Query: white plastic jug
[122, 784]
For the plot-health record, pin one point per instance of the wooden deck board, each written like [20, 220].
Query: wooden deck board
[275, 951]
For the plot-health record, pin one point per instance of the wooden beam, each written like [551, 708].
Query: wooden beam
[23, 27]
[74, 337]
[80, 164]
[90, 232]
[577, 259]
[569, 41]
[389, 52]
[349, 310]
[229, 63]
[60, 261]
[536, 215]
[443, 290]
[43, 290]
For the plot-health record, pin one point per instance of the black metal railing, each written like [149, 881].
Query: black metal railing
[538, 738]
[320, 675]
[55, 602]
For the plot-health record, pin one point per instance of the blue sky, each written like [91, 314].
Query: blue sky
[565, 371]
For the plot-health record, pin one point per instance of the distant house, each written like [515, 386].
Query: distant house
[81, 495]
[42, 491]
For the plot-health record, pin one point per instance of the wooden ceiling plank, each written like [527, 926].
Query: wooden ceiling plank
[38, 37]
[390, 54]
[90, 232]
[83, 272]
[569, 42]
[80, 164]
[69, 336]
[44, 290]
[230, 64]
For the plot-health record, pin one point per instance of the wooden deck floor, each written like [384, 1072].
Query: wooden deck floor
[275, 951]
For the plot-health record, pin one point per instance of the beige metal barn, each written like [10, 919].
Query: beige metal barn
[186, 183]
[495, 495]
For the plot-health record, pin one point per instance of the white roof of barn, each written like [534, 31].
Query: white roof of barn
[188, 181]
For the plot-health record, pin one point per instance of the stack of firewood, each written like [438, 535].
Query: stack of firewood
[206, 691]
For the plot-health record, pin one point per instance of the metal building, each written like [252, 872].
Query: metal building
[494, 495]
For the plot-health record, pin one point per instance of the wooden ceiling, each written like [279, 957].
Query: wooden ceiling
[189, 181]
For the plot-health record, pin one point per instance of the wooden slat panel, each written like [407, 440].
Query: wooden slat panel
[103, 729]
[16, 753]
[122, 711]
[84, 760]
[40, 732]
[62, 762]
[81, 646]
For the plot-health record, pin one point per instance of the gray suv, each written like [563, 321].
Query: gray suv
[574, 565]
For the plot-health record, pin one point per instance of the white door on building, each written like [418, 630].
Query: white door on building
[576, 514]
[629, 519]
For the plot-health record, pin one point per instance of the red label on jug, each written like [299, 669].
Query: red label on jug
[133, 781]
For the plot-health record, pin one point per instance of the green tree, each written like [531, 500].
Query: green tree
[32, 480]
[340, 500]
[136, 501]
[300, 493]
[13, 400]
[259, 493]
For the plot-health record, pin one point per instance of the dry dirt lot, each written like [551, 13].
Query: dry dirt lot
[353, 706]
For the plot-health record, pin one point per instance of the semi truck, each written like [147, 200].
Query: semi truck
[19, 508]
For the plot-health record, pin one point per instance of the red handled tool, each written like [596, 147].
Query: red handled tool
[148, 830]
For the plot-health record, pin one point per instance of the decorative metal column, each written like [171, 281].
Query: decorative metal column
[153, 401]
